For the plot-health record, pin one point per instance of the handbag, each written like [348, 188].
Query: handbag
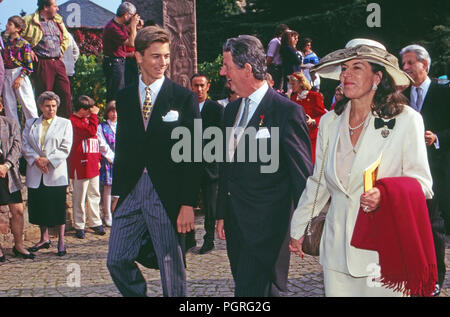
[314, 229]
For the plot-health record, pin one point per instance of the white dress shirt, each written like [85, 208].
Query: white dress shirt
[425, 86]
[155, 87]
[201, 104]
[255, 100]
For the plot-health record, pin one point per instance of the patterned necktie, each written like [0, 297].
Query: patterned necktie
[147, 108]
[419, 98]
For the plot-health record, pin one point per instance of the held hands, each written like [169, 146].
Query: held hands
[42, 164]
[295, 246]
[370, 200]
[430, 138]
[185, 220]
[310, 122]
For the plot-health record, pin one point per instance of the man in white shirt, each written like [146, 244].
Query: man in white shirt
[274, 58]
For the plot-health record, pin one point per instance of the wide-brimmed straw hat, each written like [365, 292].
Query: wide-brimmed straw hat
[368, 50]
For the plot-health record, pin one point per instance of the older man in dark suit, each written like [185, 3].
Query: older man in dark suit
[157, 194]
[256, 200]
[432, 101]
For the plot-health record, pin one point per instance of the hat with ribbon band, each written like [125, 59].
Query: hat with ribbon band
[365, 49]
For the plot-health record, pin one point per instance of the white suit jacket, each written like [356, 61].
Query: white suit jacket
[57, 145]
[404, 154]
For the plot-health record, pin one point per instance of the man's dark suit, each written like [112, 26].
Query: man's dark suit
[137, 148]
[212, 114]
[256, 207]
[436, 116]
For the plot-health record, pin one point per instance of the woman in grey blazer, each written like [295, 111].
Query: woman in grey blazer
[10, 183]
[47, 141]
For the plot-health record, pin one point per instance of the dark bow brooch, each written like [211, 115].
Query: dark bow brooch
[380, 123]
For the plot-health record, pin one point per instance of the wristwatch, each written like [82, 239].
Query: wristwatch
[8, 165]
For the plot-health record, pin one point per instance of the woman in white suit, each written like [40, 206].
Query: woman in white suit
[369, 76]
[47, 141]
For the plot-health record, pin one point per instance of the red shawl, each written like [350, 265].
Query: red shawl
[400, 231]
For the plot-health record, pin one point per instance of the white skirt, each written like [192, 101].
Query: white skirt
[339, 284]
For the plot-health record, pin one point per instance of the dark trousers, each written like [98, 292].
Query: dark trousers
[275, 71]
[438, 229]
[114, 70]
[251, 277]
[50, 75]
[209, 199]
[131, 71]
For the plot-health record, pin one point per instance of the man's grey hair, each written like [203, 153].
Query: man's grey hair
[248, 49]
[48, 95]
[126, 7]
[420, 51]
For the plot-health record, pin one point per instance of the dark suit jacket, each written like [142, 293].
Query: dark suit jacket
[212, 115]
[436, 116]
[262, 203]
[136, 148]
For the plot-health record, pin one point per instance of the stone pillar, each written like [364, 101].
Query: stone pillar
[179, 18]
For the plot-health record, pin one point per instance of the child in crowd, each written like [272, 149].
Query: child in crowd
[18, 67]
[106, 134]
[84, 164]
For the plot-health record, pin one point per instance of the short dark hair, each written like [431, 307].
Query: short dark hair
[111, 106]
[18, 22]
[84, 102]
[200, 75]
[43, 3]
[280, 29]
[148, 35]
[304, 41]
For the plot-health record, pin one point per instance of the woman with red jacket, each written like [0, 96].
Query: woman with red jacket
[311, 101]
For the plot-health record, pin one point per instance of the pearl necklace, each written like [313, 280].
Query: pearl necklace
[352, 130]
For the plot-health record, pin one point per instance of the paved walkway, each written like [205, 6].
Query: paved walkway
[207, 275]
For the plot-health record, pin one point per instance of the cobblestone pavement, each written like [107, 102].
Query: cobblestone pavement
[207, 275]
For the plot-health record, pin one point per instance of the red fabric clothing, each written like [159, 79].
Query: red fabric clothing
[85, 155]
[314, 107]
[114, 36]
[400, 231]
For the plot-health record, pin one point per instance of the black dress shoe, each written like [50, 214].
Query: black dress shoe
[30, 256]
[62, 253]
[45, 245]
[206, 248]
[99, 230]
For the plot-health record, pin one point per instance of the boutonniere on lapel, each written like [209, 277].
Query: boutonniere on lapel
[386, 125]
[171, 116]
[261, 120]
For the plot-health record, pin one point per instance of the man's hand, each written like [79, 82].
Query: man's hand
[17, 83]
[430, 138]
[220, 229]
[185, 220]
[3, 171]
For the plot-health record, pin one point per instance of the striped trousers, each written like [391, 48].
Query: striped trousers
[141, 212]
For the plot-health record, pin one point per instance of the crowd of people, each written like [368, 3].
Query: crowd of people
[380, 110]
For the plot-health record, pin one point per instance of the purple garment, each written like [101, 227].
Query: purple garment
[106, 169]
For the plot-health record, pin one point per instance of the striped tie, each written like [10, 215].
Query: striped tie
[147, 109]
